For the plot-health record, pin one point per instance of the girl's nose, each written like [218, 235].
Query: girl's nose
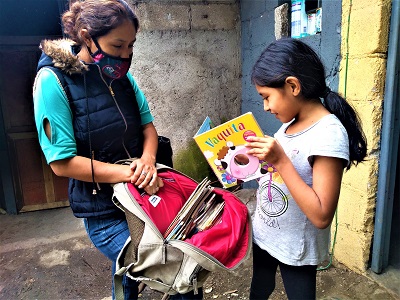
[266, 106]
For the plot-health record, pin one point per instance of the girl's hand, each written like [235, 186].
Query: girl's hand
[265, 148]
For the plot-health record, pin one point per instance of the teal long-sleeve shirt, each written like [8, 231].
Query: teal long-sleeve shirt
[51, 103]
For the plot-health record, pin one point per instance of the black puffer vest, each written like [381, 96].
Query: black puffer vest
[107, 128]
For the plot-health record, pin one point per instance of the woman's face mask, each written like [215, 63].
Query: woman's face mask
[111, 66]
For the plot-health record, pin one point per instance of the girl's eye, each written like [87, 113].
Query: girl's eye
[117, 46]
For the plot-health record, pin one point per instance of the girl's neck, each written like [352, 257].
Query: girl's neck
[311, 112]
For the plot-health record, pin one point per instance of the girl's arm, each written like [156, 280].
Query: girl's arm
[317, 202]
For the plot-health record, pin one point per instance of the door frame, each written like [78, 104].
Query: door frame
[389, 148]
[8, 181]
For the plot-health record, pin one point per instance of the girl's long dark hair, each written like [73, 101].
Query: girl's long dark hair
[291, 57]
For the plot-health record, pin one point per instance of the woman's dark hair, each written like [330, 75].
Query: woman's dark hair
[99, 17]
[291, 57]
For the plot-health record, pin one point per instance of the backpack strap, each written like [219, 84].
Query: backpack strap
[163, 156]
[119, 289]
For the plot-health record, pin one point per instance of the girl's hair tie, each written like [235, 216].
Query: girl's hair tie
[326, 92]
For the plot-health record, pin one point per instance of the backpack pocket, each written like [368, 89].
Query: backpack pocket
[179, 274]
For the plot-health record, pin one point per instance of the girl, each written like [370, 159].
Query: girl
[320, 136]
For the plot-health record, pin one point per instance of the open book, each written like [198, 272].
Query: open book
[224, 150]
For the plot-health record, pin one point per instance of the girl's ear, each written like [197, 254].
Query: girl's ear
[294, 85]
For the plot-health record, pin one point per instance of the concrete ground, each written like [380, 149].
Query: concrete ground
[47, 255]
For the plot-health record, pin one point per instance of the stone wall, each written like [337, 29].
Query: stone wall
[187, 62]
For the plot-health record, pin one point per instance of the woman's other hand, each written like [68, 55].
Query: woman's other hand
[153, 189]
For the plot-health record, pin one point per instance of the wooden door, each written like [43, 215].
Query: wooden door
[35, 186]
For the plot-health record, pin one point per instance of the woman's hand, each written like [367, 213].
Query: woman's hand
[153, 189]
[265, 148]
[145, 175]
[144, 172]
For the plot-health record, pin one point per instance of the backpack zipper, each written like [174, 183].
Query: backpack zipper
[193, 279]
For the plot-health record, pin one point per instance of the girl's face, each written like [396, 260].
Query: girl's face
[119, 41]
[279, 102]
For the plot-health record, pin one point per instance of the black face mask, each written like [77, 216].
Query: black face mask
[111, 66]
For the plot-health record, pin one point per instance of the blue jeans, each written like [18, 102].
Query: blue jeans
[109, 235]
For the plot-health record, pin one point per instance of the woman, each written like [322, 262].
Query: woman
[90, 113]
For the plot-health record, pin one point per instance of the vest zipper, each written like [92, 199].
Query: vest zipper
[111, 91]
[116, 104]
[123, 118]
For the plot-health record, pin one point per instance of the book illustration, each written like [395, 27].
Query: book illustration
[223, 147]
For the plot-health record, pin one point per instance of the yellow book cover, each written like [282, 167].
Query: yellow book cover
[223, 147]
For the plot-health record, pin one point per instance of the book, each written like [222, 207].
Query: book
[223, 147]
[200, 212]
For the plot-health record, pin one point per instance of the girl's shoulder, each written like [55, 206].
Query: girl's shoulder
[330, 119]
[326, 126]
[331, 123]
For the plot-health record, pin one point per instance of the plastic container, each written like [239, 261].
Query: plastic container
[318, 20]
[299, 19]
[311, 24]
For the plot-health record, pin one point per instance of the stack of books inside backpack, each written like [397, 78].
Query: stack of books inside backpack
[200, 212]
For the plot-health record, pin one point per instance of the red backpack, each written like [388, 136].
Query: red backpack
[172, 265]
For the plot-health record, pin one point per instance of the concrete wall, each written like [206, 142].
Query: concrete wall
[187, 62]
[365, 91]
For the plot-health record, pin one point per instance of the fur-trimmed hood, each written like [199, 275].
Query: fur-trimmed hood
[58, 54]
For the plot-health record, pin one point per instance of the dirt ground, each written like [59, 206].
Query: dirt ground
[79, 271]
[47, 255]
